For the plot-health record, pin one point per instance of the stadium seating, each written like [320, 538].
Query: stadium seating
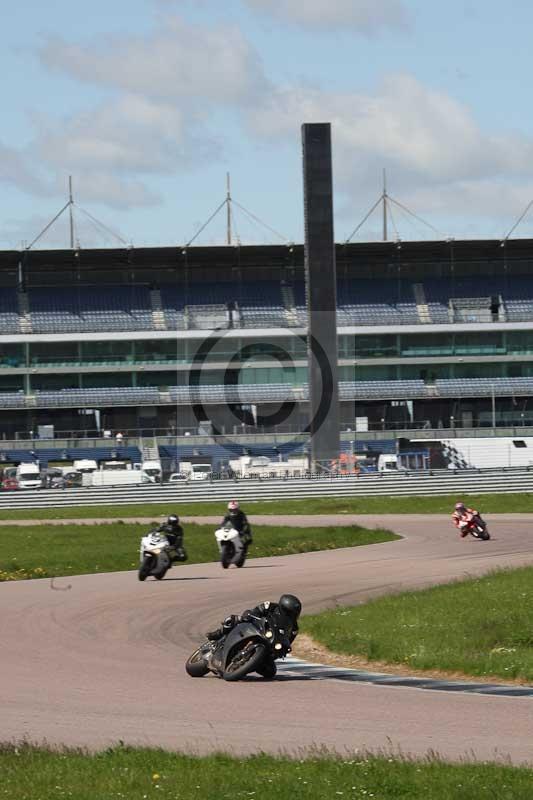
[400, 389]
[105, 396]
[365, 302]
[90, 308]
[9, 318]
[209, 394]
[260, 304]
[483, 387]
[206, 305]
[13, 399]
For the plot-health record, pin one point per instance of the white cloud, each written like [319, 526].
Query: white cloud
[367, 17]
[15, 170]
[110, 150]
[424, 132]
[166, 87]
[131, 134]
[177, 61]
[429, 143]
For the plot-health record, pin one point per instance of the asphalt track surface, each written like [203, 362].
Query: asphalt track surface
[97, 659]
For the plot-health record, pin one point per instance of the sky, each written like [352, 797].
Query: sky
[148, 104]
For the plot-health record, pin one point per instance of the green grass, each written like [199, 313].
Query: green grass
[37, 552]
[480, 627]
[30, 773]
[488, 503]
[136, 774]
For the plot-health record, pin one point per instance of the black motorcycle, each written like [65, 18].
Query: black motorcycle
[251, 646]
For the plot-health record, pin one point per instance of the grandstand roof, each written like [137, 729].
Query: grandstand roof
[148, 259]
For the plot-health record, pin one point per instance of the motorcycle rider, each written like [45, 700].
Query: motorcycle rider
[462, 517]
[174, 533]
[239, 520]
[283, 614]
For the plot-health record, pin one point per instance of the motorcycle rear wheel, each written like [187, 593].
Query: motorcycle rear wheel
[195, 666]
[162, 566]
[480, 533]
[245, 661]
[242, 558]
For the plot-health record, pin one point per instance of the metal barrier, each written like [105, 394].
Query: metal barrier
[404, 484]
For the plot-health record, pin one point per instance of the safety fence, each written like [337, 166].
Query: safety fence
[401, 484]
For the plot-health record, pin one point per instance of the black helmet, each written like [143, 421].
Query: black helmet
[290, 605]
[173, 519]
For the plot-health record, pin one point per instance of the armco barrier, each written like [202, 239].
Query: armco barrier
[424, 484]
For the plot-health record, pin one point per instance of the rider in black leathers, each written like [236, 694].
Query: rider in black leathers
[174, 533]
[239, 520]
[283, 614]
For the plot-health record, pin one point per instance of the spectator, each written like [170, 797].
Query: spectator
[119, 438]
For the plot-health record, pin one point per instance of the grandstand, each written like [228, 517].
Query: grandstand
[172, 341]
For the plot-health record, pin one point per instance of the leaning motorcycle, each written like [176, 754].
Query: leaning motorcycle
[251, 646]
[155, 556]
[231, 546]
[477, 527]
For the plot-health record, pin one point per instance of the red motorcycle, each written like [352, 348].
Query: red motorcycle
[477, 528]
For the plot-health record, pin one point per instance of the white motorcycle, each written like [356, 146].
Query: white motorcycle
[155, 556]
[231, 546]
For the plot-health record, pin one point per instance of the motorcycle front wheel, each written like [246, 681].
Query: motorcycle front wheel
[195, 666]
[146, 567]
[245, 661]
[228, 551]
[268, 669]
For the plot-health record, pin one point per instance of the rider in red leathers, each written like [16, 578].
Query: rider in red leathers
[462, 517]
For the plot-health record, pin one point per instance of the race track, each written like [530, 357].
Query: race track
[95, 659]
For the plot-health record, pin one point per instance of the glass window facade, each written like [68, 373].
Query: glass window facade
[12, 355]
[286, 357]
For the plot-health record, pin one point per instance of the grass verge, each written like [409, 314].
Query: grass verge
[31, 773]
[480, 626]
[37, 552]
[444, 504]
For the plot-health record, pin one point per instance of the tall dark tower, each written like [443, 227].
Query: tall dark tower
[321, 291]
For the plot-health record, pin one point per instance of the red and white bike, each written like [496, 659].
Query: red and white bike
[477, 527]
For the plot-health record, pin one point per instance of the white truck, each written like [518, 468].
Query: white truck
[389, 463]
[116, 473]
[195, 472]
[29, 476]
[263, 467]
[118, 477]
[85, 465]
[153, 469]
